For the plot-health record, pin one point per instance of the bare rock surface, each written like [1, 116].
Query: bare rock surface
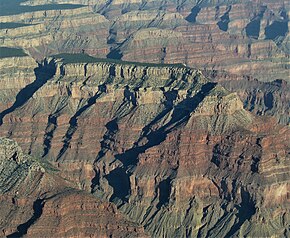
[241, 37]
[36, 202]
[177, 154]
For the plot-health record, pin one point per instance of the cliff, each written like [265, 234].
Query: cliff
[35, 202]
[177, 154]
[247, 37]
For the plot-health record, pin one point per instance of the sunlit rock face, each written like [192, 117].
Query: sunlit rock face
[177, 154]
[133, 118]
[241, 37]
[35, 201]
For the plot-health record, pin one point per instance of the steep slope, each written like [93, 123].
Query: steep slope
[36, 202]
[261, 98]
[241, 37]
[176, 153]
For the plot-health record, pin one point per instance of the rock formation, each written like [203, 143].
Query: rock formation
[176, 153]
[241, 37]
[133, 118]
[36, 202]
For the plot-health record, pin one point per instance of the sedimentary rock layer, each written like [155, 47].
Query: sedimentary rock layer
[178, 154]
[36, 202]
[241, 37]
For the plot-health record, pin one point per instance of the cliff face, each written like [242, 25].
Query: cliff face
[244, 37]
[261, 98]
[35, 201]
[177, 154]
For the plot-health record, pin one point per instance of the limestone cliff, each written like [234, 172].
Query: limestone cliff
[36, 202]
[176, 153]
[241, 37]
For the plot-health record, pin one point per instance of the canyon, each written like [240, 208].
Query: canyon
[241, 37]
[132, 118]
[175, 153]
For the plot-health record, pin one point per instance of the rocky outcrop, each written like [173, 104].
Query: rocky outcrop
[261, 98]
[240, 37]
[35, 202]
[176, 153]
[76, 214]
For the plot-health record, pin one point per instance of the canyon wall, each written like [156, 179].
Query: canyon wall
[241, 37]
[176, 153]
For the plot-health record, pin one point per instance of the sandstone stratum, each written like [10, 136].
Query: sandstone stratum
[133, 118]
[241, 37]
[245, 40]
[177, 154]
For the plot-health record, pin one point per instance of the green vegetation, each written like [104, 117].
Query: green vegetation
[6, 52]
[12, 7]
[12, 25]
[84, 58]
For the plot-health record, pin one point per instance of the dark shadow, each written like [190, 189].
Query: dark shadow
[192, 16]
[164, 188]
[130, 96]
[42, 73]
[37, 212]
[95, 181]
[216, 156]
[73, 122]
[255, 164]
[223, 24]
[276, 29]
[245, 211]
[253, 28]
[269, 100]
[119, 181]
[115, 54]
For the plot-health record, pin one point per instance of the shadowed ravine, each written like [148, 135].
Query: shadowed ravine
[73, 122]
[37, 212]
[181, 114]
[42, 74]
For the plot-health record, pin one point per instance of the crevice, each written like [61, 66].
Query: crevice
[112, 36]
[37, 212]
[112, 129]
[249, 51]
[163, 54]
[49, 131]
[181, 114]
[73, 122]
[120, 182]
[245, 211]
[95, 181]
[51, 127]
[43, 73]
